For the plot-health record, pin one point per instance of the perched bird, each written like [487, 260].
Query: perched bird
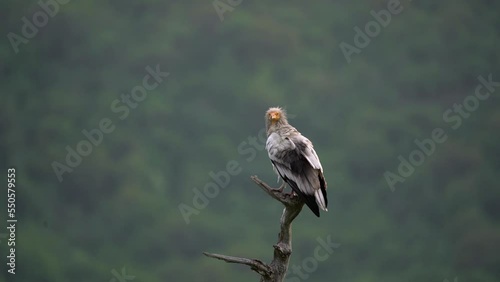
[295, 161]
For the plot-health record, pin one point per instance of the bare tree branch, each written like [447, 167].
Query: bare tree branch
[276, 270]
[255, 264]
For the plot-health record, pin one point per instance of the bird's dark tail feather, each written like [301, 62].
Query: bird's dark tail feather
[310, 200]
[322, 182]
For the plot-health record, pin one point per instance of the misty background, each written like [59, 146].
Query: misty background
[130, 199]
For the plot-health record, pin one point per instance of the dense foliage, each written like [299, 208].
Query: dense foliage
[120, 206]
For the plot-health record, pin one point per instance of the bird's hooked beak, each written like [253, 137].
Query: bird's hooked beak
[275, 116]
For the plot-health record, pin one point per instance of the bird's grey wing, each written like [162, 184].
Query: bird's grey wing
[314, 173]
[306, 148]
[290, 163]
[295, 170]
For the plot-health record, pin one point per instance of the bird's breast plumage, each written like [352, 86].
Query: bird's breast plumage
[277, 145]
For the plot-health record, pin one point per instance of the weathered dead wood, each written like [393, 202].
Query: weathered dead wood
[276, 270]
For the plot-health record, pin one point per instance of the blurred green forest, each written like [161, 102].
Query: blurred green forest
[119, 208]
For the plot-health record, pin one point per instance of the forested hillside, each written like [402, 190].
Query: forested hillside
[134, 126]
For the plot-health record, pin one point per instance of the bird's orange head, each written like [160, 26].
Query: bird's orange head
[275, 114]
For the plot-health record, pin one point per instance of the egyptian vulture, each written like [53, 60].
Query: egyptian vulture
[295, 161]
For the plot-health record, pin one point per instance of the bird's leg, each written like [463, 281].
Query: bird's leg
[282, 187]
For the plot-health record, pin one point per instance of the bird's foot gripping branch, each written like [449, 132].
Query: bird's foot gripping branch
[276, 270]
